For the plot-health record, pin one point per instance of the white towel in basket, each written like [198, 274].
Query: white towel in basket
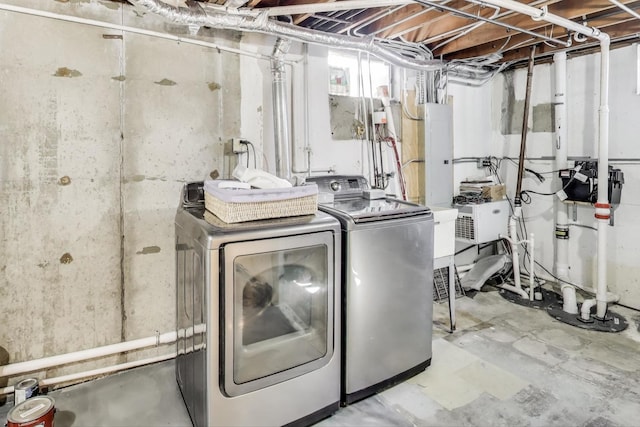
[256, 195]
[233, 205]
[259, 178]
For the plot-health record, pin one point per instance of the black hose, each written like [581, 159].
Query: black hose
[525, 122]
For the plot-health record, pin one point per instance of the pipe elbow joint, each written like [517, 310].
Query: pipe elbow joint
[603, 37]
[585, 310]
[544, 10]
[579, 37]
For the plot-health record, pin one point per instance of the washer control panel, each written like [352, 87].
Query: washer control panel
[341, 185]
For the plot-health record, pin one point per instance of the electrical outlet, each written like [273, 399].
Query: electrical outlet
[483, 162]
[238, 147]
[234, 146]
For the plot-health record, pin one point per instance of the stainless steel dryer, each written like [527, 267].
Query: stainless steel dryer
[258, 317]
[387, 277]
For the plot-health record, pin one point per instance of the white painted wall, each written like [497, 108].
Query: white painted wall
[328, 155]
[582, 103]
[472, 127]
[343, 156]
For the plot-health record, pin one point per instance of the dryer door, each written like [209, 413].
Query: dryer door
[278, 305]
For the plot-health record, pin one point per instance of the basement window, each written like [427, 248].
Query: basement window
[344, 78]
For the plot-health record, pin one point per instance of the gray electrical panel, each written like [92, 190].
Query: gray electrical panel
[438, 152]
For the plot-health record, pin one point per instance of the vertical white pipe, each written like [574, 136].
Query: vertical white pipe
[280, 110]
[562, 210]
[532, 266]
[602, 208]
[515, 256]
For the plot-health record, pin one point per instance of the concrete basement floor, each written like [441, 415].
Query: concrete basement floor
[506, 365]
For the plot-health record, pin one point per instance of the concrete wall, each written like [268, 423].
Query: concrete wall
[99, 132]
[503, 139]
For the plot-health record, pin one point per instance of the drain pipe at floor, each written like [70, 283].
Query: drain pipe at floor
[603, 208]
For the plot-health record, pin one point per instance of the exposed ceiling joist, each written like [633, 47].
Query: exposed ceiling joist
[519, 42]
[450, 29]
[570, 9]
[620, 30]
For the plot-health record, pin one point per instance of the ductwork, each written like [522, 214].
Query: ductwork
[252, 21]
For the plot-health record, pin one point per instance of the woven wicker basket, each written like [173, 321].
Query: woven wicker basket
[232, 212]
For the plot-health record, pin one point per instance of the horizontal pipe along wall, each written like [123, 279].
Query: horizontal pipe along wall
[100, 129]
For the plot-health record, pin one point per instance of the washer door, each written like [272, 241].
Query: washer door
[278, 298]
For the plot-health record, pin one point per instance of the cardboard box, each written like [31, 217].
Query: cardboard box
[494, 192]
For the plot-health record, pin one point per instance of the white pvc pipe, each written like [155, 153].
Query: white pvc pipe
[513, 289]
[585, 310]
[625, 8]
[570, 304]
[82, 355]
[543, 15]
[515, 256]
[603, 210]
[532, 267]
[95, 372]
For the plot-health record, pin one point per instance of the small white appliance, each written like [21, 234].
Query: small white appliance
[482, 222]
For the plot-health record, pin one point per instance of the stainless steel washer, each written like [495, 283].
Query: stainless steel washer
[258, 317]
[387, 278]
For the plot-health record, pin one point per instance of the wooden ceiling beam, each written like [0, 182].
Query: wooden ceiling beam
[429, 31]
[363, 17]
[519, 42]
[297, 19]
[569, 9]
[255, 3]
[632, 26]
[410, 17]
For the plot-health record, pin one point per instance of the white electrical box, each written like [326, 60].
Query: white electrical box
[482, 222]
[438, 153]
[379, 118]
